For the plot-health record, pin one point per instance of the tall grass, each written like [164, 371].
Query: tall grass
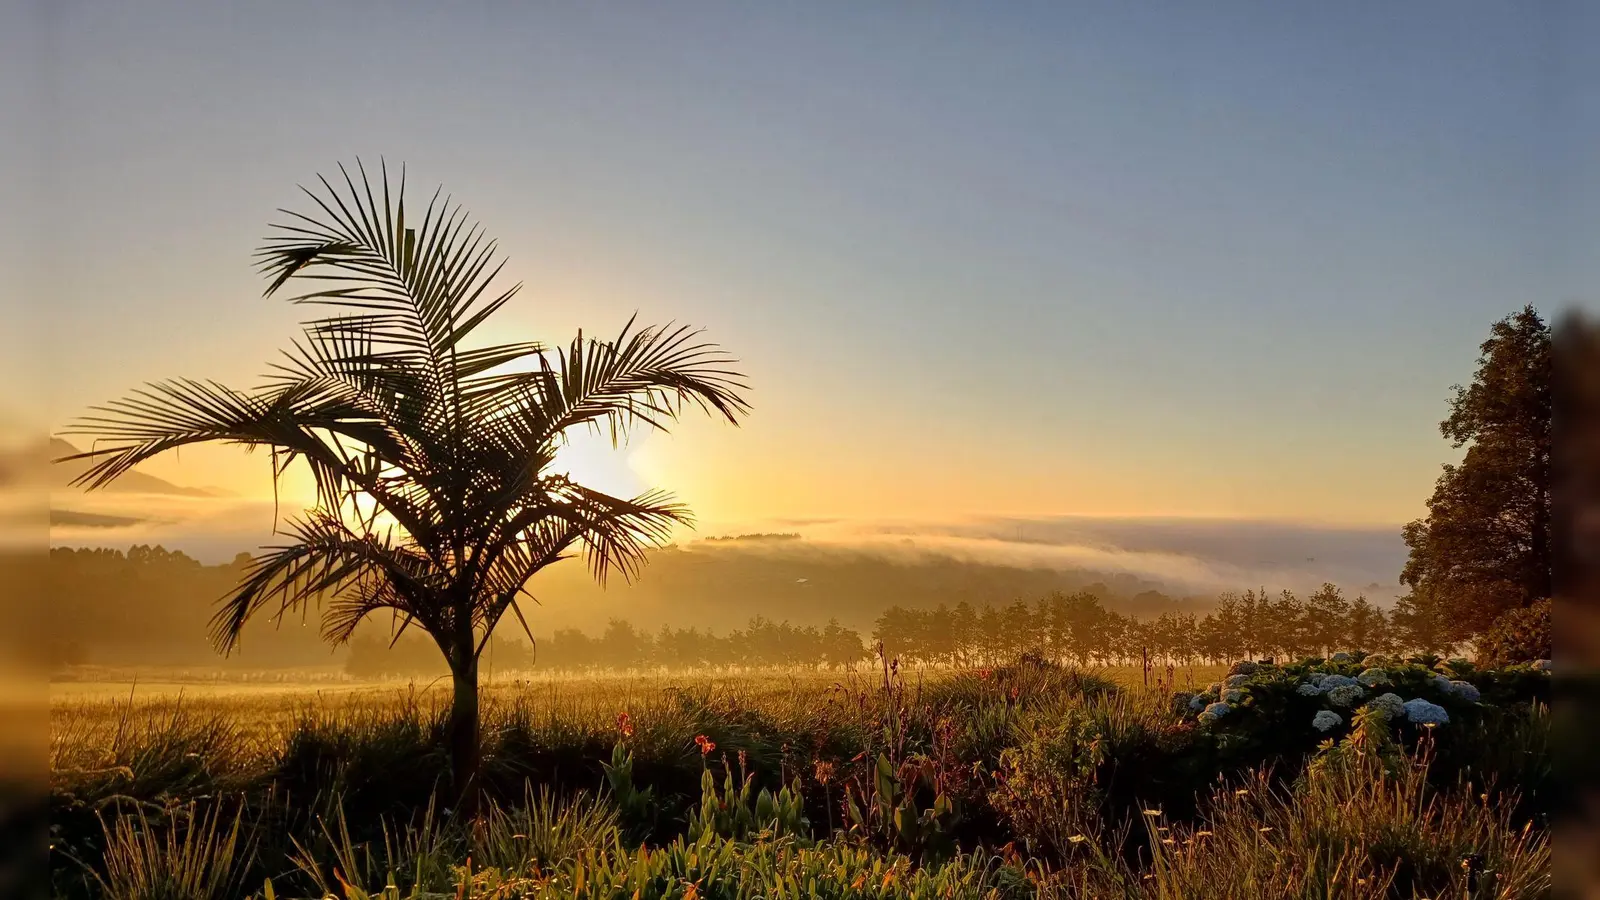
[1022, 781]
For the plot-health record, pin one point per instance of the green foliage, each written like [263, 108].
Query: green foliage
[745, 813]
[636, 806]
[1046, 787]
[1518, 636]
[884, 806]
[195, 855]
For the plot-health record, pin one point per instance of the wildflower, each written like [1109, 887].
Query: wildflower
[1308, 690]
[1346, 694]
[1341, 657]
[1325, 720]
[1077, 839]
[705, 744]
[823, 771]
[625, 724]
[1234, 696]
[1373, 677]
[1465, 690]
[1234, 681]
[1422, 712]
[1389, 704]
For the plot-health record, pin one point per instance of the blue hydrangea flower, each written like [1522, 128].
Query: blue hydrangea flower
[1373, 677]
[1215, 711]
[1329, 682]
[1236, 681]
[1465, 690]
[1325, 720]
[1317, 677]
[1199, 701]
[1308, 690]
[1422, 712]
[1346, 694]
[1389, 704]
[1234, 696]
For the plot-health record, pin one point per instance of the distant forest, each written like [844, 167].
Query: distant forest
[150, 606]
[1071, 629]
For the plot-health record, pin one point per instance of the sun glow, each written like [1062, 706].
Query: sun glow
[590, 460]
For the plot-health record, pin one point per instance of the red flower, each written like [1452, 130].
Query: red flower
[705, 744]
[625, 724]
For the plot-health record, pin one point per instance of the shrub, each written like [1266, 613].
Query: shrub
[1519, 636]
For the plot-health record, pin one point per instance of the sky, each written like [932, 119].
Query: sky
[1117, 260]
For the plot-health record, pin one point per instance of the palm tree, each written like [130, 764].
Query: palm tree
[431, 453]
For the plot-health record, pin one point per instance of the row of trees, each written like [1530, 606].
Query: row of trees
[1079, 629]
[761, 644]
[1075, 629]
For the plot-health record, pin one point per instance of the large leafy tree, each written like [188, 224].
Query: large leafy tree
[1485, 546]
[431, 450]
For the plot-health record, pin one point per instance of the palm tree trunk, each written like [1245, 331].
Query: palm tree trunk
[465, 751]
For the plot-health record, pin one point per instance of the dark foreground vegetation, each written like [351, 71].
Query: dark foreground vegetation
[1353, 777]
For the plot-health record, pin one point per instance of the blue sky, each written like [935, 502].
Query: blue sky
[1217, 259]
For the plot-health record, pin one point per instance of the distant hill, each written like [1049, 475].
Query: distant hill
[136, 482]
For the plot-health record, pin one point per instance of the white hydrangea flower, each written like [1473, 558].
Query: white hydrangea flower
[1308, 690]
[1373, 677]
[1465, 690]
[1216, 711]
[1236, 680]
[1325, 720]
[1346, 694]
[1234, 696]
[1422, 712]
[1341, 657]
[1389, 704]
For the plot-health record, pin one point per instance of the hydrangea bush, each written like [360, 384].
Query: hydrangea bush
[1262, 710]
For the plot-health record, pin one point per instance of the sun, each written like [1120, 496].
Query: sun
[590, 460]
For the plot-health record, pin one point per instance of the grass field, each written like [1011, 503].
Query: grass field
[1028, 780]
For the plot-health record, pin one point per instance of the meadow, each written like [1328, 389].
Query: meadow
[1029, 779]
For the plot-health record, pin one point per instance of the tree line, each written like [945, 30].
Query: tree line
[1071, 629]
[1079, 629]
